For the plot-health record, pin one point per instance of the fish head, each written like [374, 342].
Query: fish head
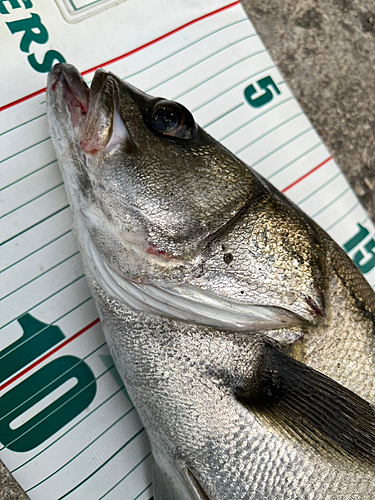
[148, 181]
[161, 202]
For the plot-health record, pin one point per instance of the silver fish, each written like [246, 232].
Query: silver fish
[243, 333]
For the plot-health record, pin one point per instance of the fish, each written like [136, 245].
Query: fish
[243, 333]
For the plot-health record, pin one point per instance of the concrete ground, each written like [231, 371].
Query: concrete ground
[326, 52]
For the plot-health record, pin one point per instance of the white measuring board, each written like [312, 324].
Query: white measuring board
[67, 427]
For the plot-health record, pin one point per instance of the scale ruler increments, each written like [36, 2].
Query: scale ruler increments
[67, 426]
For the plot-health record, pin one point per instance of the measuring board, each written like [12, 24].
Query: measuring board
[67, 426]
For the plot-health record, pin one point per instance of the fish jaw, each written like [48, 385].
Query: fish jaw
[87, 133]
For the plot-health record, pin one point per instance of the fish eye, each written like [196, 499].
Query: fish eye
[172, 119]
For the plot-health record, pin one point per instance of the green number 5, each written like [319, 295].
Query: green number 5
[267, 85]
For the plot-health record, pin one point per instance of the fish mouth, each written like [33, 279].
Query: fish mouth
[92, 112]
[75, 91]
[65, 79]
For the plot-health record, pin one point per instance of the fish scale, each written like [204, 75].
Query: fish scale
[271, 459]
[243, 333]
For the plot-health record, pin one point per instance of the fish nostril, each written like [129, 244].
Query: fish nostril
[228, 258]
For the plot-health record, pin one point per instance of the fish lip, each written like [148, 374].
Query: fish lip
[97, 84]
[68, 93]
[65, 80]
[74, 85]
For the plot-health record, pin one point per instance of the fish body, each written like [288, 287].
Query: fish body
[243, 333]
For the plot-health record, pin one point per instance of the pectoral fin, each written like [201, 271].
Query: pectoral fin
[314, 407]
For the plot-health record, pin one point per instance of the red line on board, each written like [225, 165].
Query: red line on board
[306, 175]
[127, 54]
[34, 94]
[50, 353]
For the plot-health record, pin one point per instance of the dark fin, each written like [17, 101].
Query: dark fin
[314, 407]
[166, 488]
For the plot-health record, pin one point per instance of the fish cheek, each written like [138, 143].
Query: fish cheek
[258, 259]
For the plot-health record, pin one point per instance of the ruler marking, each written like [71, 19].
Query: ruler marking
[82, 450]
[273, 129]
[127, 475]
[181, 50]
[317, 190]
[22, 124]
[49, 354]
[248, 37]
[127, 54]
[28, 175]
[306, 175]
[71, 428]
[271, 108]
[103, 464]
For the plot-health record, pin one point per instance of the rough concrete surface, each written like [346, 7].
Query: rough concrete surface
[9, 488]
[326, 51]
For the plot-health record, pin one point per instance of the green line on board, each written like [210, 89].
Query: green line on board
[35, 251]
[71, 428]
[323, 209]
[221, 73]
[364, 220]
[319, 188]
[34, 225]
[30, 201]
[23, 150]
[127, 475]
[273, 129]
[343, 216]
[42, 301]
[21, 125]
[182, 49]
[294, 160]
[55, 410]
[47, 385]
[206, 125]
[82, 450]
[28, 175]
[40, 275]
[254, 118]
[199, 62]
[47, 326]
[289, 141]
[102, 465]
[249, 77]
[141, 493]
